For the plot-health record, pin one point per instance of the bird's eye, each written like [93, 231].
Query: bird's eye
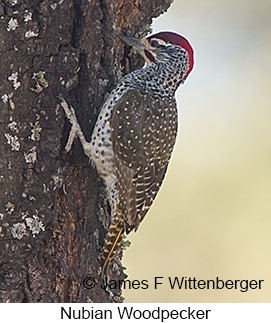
[154, 43]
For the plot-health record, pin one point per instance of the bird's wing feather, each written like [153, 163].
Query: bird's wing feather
[143, 135]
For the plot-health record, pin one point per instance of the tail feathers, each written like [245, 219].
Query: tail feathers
[111, 244]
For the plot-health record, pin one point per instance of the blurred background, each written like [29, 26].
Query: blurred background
[212, 216]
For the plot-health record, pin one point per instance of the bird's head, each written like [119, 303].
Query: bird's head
[161, 47]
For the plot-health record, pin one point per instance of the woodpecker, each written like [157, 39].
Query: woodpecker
[135, 132]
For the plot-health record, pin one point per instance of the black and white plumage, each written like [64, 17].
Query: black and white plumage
[142, 140]
[135, 132]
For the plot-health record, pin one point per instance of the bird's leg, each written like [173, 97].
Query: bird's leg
[76, 130]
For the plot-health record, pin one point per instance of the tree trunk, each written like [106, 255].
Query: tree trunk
[53, 216]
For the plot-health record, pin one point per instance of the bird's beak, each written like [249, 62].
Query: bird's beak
[142, 46]
[138, 44]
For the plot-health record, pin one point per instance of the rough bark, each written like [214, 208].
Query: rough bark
[52, 209]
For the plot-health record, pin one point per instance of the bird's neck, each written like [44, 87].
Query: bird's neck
[159, 79]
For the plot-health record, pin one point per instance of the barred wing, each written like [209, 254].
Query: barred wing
[143, 135]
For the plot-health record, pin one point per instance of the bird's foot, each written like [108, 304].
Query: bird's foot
[76, 130]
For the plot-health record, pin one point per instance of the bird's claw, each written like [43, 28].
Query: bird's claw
[76, 130]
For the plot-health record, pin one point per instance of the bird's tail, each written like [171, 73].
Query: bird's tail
[112, 243]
